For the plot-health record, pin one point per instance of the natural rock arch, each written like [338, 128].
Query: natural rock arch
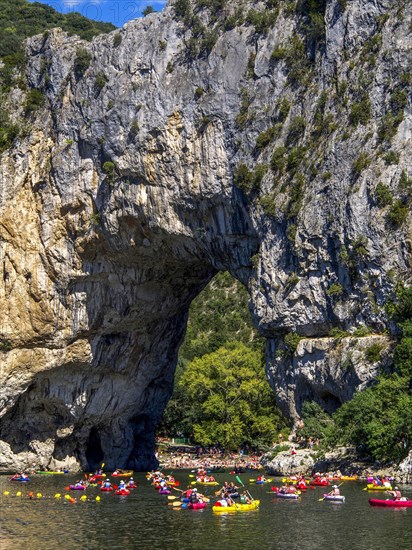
[118, 206]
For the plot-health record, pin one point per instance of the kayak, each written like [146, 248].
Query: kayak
[77, 487]
[261, 482]
[391, 503]
[127, 473]
[196, 505]
[254, 505]
[22, 479]
[209, 483]
[106, 489]
[292, 496]
[123, 492]
[349, 478]
[131, 486]
[97, 476]
[372, 487]
[320, 483]
[336, 498]
[164, 492]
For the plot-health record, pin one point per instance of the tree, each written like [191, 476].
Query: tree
[232, 398]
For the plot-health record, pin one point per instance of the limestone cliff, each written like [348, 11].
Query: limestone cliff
[275, 145]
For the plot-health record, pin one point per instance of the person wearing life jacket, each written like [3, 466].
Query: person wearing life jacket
[335, 491]
[244, 498]
[122, 485]
[397, 495]
[131, 483]
[107, 484]
[194, 497]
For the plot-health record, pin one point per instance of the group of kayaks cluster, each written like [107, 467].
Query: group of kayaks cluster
[227, 499]
[98, 479]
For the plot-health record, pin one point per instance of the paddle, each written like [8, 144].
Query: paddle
[175, 504]
[190, 475]
[171, 497]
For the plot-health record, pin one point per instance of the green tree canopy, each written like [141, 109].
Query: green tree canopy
[233, 399]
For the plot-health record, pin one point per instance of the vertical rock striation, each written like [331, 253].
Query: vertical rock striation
[118, 205]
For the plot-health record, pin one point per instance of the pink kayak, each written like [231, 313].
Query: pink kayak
[391, 503]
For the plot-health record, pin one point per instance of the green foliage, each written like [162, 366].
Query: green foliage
[391, 157]
[264, 138]
[8, 131]
[261, 20]
[278, 161]
[21, 19]
[246, 179]
[297, 62]
[5, 345]
[360, 164]
[379, 419]
[100, 80]
[383, 195]
[82, 62]
[199, 92]
[283, 109]
[292, 341]
[360, 112]
[296, 130]
[148, 10]
[317, 424]
[373, 353]
[117, 39]
[335, 289]
[182, 8]
[234, 402]
[35, 100]
[220, 314]
[243, 115]
[221, 393]
[398, 213]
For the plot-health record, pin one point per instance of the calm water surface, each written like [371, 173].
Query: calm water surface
[144, 520]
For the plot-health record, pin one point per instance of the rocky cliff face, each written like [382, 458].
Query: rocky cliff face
[271, 148]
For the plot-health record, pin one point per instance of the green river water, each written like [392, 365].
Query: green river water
[144, 520]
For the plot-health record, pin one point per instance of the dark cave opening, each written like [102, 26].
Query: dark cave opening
[94, 452]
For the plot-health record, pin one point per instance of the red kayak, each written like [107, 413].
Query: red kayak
[107, 489]
[320, 483]
[122, 492]
[391, 503]
[196, 505]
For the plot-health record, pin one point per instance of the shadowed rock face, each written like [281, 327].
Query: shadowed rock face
[118, 206]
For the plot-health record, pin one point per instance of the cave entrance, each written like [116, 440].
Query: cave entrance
[94, 451]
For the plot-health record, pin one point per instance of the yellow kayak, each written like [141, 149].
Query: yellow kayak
[254, 505]
[125, 473]
[349, 478]
[204, 483]
[372, 487]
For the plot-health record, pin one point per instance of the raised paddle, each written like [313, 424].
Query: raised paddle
[243, 485]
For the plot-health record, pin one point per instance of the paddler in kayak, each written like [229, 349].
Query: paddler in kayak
[397, 495]
[122, 486]
[107, 484]
[335, 491]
